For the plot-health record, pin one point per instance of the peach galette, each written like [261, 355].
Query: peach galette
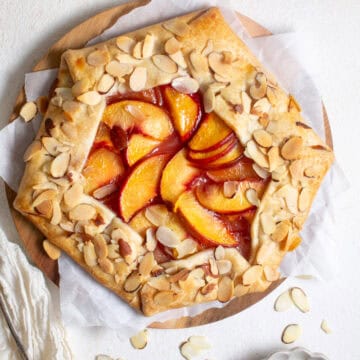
[171, 166]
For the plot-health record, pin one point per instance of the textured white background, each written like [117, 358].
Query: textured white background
[28, 28]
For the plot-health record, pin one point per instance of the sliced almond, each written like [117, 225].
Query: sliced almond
[80, 87]
[185, 85]
[147, 264]
[199, 342]
[139, 340]
[47, 195]
[67, 226]
[90, 98]
[304, 199]
[185, 248]
[325, 327]
[56, 214]
[263, 138]
[151, 241]
[125, 43]
[228, 57]
[271, 273]
[133, 282]
[172, 46]
[101, 248]
[177, 27]
[28, 111]
[160, 283]
[290, 194]
[167, 237]
[261, 107]
[213, 267]
[314, 171]
[208, 48]
[158, 215]
[117, 69]
[219, 66]
[253, 152]
[281, 231]
[258, 89]
[189, 351]
[224, 266]
[225, 289]
[283, 302]
[73, 195]
[230, 188]
[45, 208]
[164, 63]
[138, 79]
[291, 333]
[179, 59]
[246, 101]
[292, 148]
[265, 252]
[252, 274]
[98, 57]
[260, 171]
[60, 165]
[89, 254]
[104, 191]
[51, 145]
[219, 253]
[209, 100]
[300, 299]
[252, 197]
[51, 250]
[267, 222]
[82, 212]
[105, 83]
[33, 149]
[164, 298]
[137, 50]
[199, 62]
[106, 265]
[148, 46]
[45, 186]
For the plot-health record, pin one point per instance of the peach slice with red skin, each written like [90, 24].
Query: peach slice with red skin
[103, 136]
[177, 177]
[139, 146]
[212, 133]
[140, 117]
[102, 167]
[205, 225]
[185, 111]
[141, 186]
[211, 196]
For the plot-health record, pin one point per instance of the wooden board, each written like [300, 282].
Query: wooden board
[32, 238]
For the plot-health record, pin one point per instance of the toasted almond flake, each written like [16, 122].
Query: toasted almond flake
[260, 171]
[105, 83]
[28, 111]
[283, 302]
[138, 79]
[56, 214]
[224, 266]
[167, 237]
[228, 57]
[127, 59]
[213, 267]
[252, 197]
[172, 46]
[104, 191]
[178, 57]
[82, 212]
[261, 107]
[300, 299]
[106, 265]
[263, 138]
[177, 27]
[80, 87]
[32, 150]
[230, 188]
[56, 101]
[188, 350]
[100, 246]
[137, 50]
[252, 274]
[218, 65]
[185, 248]
[199, 62]
[98, 58]
[258, 89]
[185, 85]
[208, 48]
[67, 226]
[45, 186]
[291, 333]
[265, 252]
[60, 165]
[281, 231]
[199, 342]
[271, 273]
[45, 208]
[89, 254]
[325, 327]
[51, 145]
[225, 289]
[90, 98]
[51, 250]
[255, 153]
[47, 195]
[314, 171]
[219, 253]
[217, 87]
[139, 340]
[290, 195]
[182, 275]
[117, 69]
[292, 148]
[133, 282]
[148, 46]
[164, 298]
[125, 43]
[71, 108]
[246, 101]
[113, 251]
[164, 63]
[147, 264]
[209, 100]
[158, 215]
[151, 241]
[73, 195]
[304, 199]
[267, 223]
[221, 79]
[159, 283]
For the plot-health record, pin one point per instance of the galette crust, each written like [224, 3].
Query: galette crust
[266, 120]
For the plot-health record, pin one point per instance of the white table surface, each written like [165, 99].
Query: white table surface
[28, 28]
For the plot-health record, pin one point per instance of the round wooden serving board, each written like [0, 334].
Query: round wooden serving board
[32, 238]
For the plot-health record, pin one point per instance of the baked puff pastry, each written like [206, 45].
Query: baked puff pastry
[171, 166]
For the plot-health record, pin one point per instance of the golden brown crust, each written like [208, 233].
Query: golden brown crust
[266, 120]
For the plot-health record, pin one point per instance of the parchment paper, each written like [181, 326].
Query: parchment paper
[87, 303]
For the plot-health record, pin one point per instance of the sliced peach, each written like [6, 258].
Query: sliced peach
[140, 223]
[185, 111]
[141, 186]
[205, 225]
[177, 176]
[102, 167]
[209, 156]
[212, 197]
[211, 134]
[241, 170]
[151, 96]
[103, 136]
[138, 116]
[139, 146]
